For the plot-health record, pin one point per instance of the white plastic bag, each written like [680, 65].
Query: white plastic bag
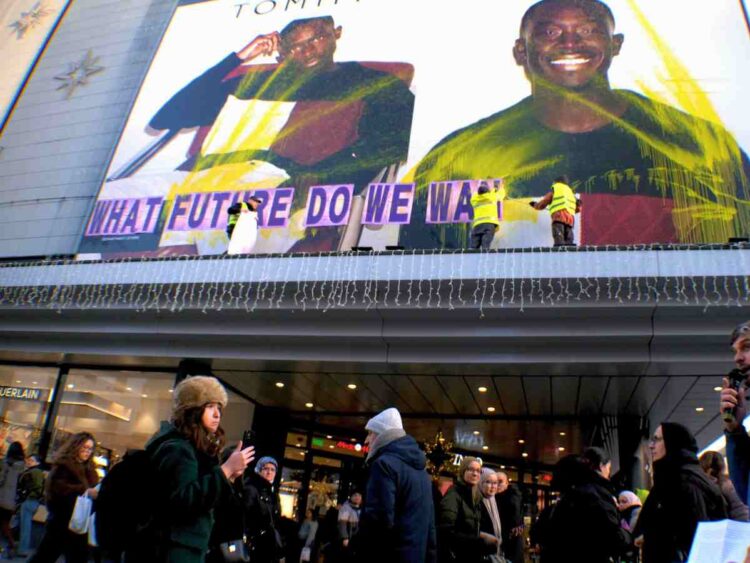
[79, 520]
[245, 234]
[305, 554]
[92, 531]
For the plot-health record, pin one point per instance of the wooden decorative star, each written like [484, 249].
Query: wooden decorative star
[79, 73]
[31, 19]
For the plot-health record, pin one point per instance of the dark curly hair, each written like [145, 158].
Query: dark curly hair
[67, 454]
[188, 422]
[15, 452]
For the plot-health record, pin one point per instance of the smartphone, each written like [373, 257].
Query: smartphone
[248, 438]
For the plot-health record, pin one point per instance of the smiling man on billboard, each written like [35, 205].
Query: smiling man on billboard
[647, 171]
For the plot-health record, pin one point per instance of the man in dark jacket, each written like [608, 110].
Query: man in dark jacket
[398, 520]
[510, 503]
[584, 525]
[738, 442]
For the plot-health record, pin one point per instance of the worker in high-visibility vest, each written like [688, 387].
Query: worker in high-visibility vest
[563, 206]
[486, 215]
[240, 207]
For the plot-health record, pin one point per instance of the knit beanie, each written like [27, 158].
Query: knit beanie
[198, 391]
[265, 460]
[389, 419]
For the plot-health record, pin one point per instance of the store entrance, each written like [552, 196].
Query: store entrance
[319, 472]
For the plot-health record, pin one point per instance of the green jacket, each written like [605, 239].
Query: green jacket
[192, 484]
[458, 522]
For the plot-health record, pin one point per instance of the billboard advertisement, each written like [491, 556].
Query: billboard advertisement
[353, 124]
[26, 25]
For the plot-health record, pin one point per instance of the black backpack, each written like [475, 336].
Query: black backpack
[126, 504]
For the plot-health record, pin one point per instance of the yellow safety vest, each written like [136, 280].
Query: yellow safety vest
[234, 217]
[563, 198]
[485, 207]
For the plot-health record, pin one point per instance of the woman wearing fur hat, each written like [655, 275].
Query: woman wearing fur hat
[72, 475]
[185, 454]
[263, 512]
[681, 497]
[459, 538]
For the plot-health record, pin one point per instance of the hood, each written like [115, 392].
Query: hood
[165, 432]
[406, 449]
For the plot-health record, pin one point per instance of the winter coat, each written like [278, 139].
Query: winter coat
[31, 485]
[65, 483]
[397, 523]
[10, 470]
[736, 509]
[191, 484]
[584, 525]
[348, 521]
[510, 504]
[229, 520]
[629, 517]
[263, 517]
[681, 497]
[458, 527]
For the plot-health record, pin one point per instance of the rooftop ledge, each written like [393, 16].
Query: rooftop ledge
[703, 274]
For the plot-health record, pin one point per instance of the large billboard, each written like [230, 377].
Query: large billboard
[372, 122]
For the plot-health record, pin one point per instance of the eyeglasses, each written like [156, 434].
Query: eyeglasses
[655, 439]
[86, 449]
[473, 471]
[298, 48]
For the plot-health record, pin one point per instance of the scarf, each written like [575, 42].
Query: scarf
[491, 506]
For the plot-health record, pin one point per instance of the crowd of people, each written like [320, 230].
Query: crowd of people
[213, 504]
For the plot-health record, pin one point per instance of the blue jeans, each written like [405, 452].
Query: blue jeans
[26, 516]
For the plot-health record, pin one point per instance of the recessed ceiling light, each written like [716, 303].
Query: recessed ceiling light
[128, 388]
[309, 405]
[521, 441]
[562, 433]
[329, 437]
[34, 382]
[352, 439]
[279, 384]
[352, 386]
[71, 386]
[171, 390]
[560, 449]
[485, 448]
[502, 467]
[144, 396]
[524, 454]
[476, 432]
[302, 453]
[490, 409]
[482, 389]
[699, 409]
[717, 388]
[332, 446]
[18, 381]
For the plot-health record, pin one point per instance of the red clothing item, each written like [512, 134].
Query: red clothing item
[562, 216]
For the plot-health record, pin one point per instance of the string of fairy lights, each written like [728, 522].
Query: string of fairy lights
[417, 279]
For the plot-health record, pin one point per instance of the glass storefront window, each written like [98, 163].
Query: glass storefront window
[122, 409]
[24, 401]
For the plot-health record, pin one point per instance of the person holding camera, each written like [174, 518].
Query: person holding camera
[734, 410]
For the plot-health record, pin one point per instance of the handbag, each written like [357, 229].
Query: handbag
[235, 550]
[79, 520]
[92, 531]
